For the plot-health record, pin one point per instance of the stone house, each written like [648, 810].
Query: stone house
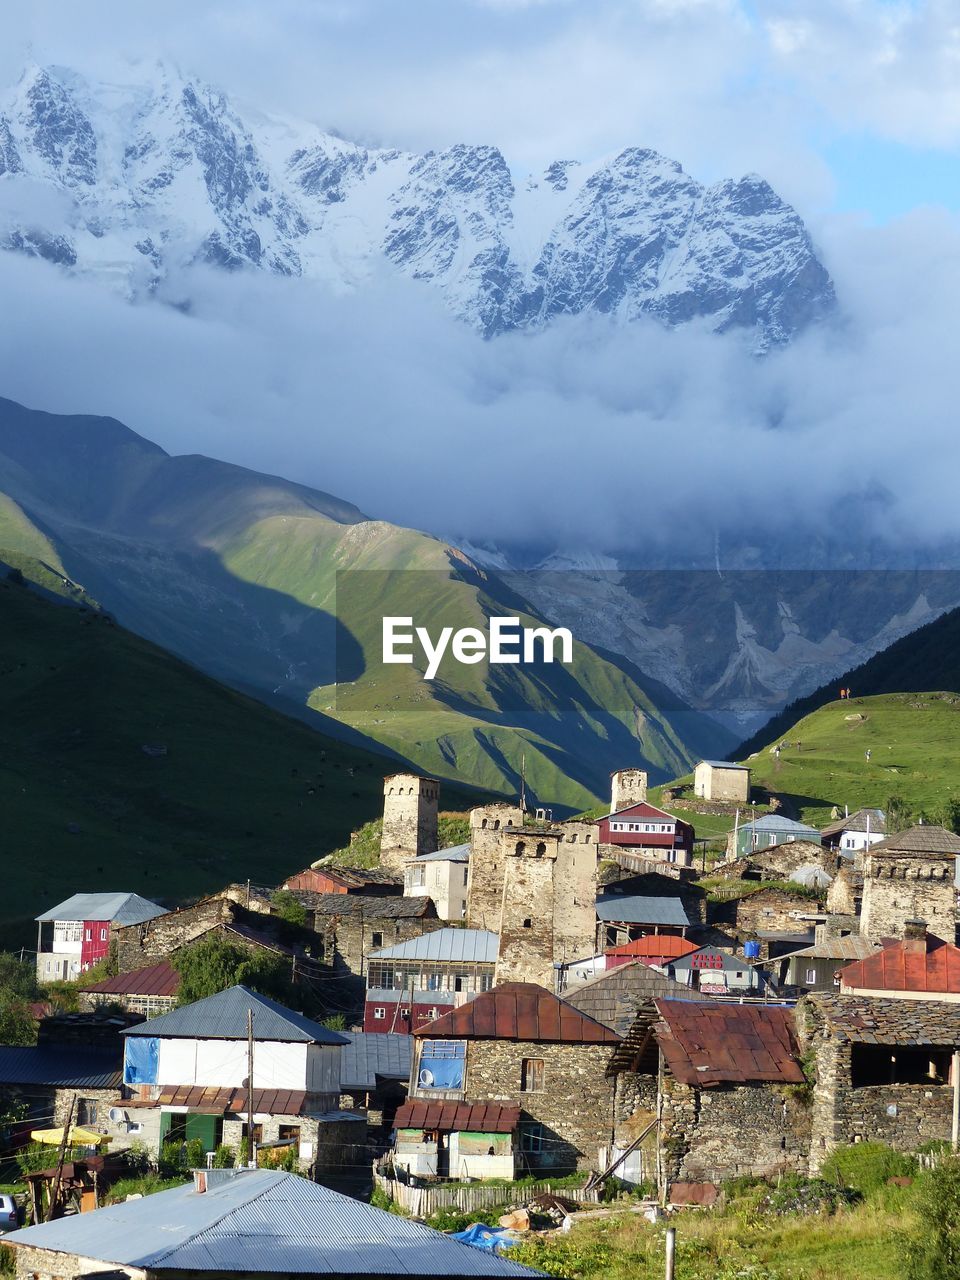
[721, 780]
[769, 910]
[442, 876]
[330, 878]
[414, 982]
[538, 1061]
[882, 1068]
[918, 967]
[910, 876]
[783, 861]
[845, 894]
[187, 1076]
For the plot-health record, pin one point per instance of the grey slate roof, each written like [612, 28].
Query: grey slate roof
[454, 853]
[852, 947]
[261, 1221]
[475, 946]
[371, 906]
[637, 909]
[372, 1054]
[60, 1066]
[615, 997]
[118, 908]
[920, 839]
[224, 1017]
[869, 1020]
[858, 822]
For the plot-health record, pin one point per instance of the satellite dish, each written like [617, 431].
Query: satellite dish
[116, 1115]
[426, 1078]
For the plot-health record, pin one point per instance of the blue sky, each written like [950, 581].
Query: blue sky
[845, 105]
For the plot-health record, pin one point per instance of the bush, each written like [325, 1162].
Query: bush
[148, 1185]
[451, 1219]
[224, 1157]
[932, 1252]
[171, 1160]
[866, 1166]
[795, 1194]
[195, 1155]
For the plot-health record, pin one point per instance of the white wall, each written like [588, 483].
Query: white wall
[223, 1064]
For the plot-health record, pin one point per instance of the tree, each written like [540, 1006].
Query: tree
[287, 906]
[214, 965]
[949, 815]
[932, 1251]
[898, 815]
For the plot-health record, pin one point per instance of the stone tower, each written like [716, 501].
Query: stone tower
[409, 818]
[627, 787]
[485, 889]
[909, 876]
[548, 902]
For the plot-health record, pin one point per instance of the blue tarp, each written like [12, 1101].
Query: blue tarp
[141, 1060]
[440, 1073]
[491, 1239]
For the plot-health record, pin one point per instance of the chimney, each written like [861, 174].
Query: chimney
[915, 936]
[205, 1180]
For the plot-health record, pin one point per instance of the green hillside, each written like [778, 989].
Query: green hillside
[241, 791]
[914, 745]
[927, 659]
[254, 580]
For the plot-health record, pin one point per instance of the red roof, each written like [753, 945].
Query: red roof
[460, 1117]
[909, 965]
[155, 980]
[519, 1011]
[705, 1044]
[664, 945]
[213, 1101]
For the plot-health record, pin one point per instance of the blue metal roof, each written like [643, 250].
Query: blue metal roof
[372, 1054]
[118, 908]
[224, 1017]
[261, 1221]
[635, 909]
[61, 1066]
[776, 822]
[454, 853]
[725, 764]
[476, 946]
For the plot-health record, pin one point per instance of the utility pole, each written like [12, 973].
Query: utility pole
[252, 1155]
[53, 1209]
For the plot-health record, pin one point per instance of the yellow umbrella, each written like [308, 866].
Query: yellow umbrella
[77, 1137]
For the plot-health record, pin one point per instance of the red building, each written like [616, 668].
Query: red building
[652, 832]
[373, 882]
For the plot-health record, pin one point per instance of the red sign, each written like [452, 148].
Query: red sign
[706, 960]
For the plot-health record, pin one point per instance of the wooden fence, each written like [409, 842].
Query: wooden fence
[421, 1202]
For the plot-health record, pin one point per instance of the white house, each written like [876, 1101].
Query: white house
[190, 1069]
[80, 936]
[442, 876]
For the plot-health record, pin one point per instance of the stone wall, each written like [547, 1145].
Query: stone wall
[410, 805]
[45, 1264]
[779, 861]
[845, 892]
[144, 944]
[485, 888]
[731, 1131]
[730, 785]
[575, 1105]
[767, 909]
[324, 1144]
[627, 787]
[911, 887]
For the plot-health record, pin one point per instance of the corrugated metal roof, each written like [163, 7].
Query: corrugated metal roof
[458, 1117]
[154, 980]
[118, 908]
[224, 1017]
[776, 822]
[213, 1101]
[931, 965]
[656, 945]
[519, 1011]
[260, 1221]
[724, 764]
[476, 946]
[453, 853]
[372, 1054]
[711, 1043]
[639, 909]
[64, 1067]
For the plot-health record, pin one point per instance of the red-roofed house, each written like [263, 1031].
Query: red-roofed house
[149, 991]
[656, 950]
[650, 832]
[918, 967]
[524, 1064]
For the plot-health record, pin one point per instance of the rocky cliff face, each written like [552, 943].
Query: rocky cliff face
[162, 170]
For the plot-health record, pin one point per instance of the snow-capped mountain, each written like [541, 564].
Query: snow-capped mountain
[160, 170]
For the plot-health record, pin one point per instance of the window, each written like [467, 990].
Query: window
[86, 1111]
[257, 1132]
[810, 977]
[288, 1132]
[531, 1075]
[88, 935]
[531, 1138]
[418, 877]
[875, 1064]
[528, 923]
[442, 1064]
[379, 1013]
[377, 940]
[103, 935]
[466, 874]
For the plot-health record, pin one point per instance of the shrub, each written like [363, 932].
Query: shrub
[195, 1155]
[171, 1159]
[380, 1200]
[224, 1157]
[932, 1251]
[795, 1194]
[866, 1166]
[451, 1219]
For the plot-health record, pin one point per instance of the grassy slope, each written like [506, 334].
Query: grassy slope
[928, 659]
[243, 792]
[914, 741]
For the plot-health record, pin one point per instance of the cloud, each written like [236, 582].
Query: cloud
[585, 436]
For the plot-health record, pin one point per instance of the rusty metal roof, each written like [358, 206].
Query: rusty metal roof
[212, 1101]
[710, 1044]
[519, 1011]
[666, 945]
[927, 965]
[154, 980]
[920, 839]
[459, 1117]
